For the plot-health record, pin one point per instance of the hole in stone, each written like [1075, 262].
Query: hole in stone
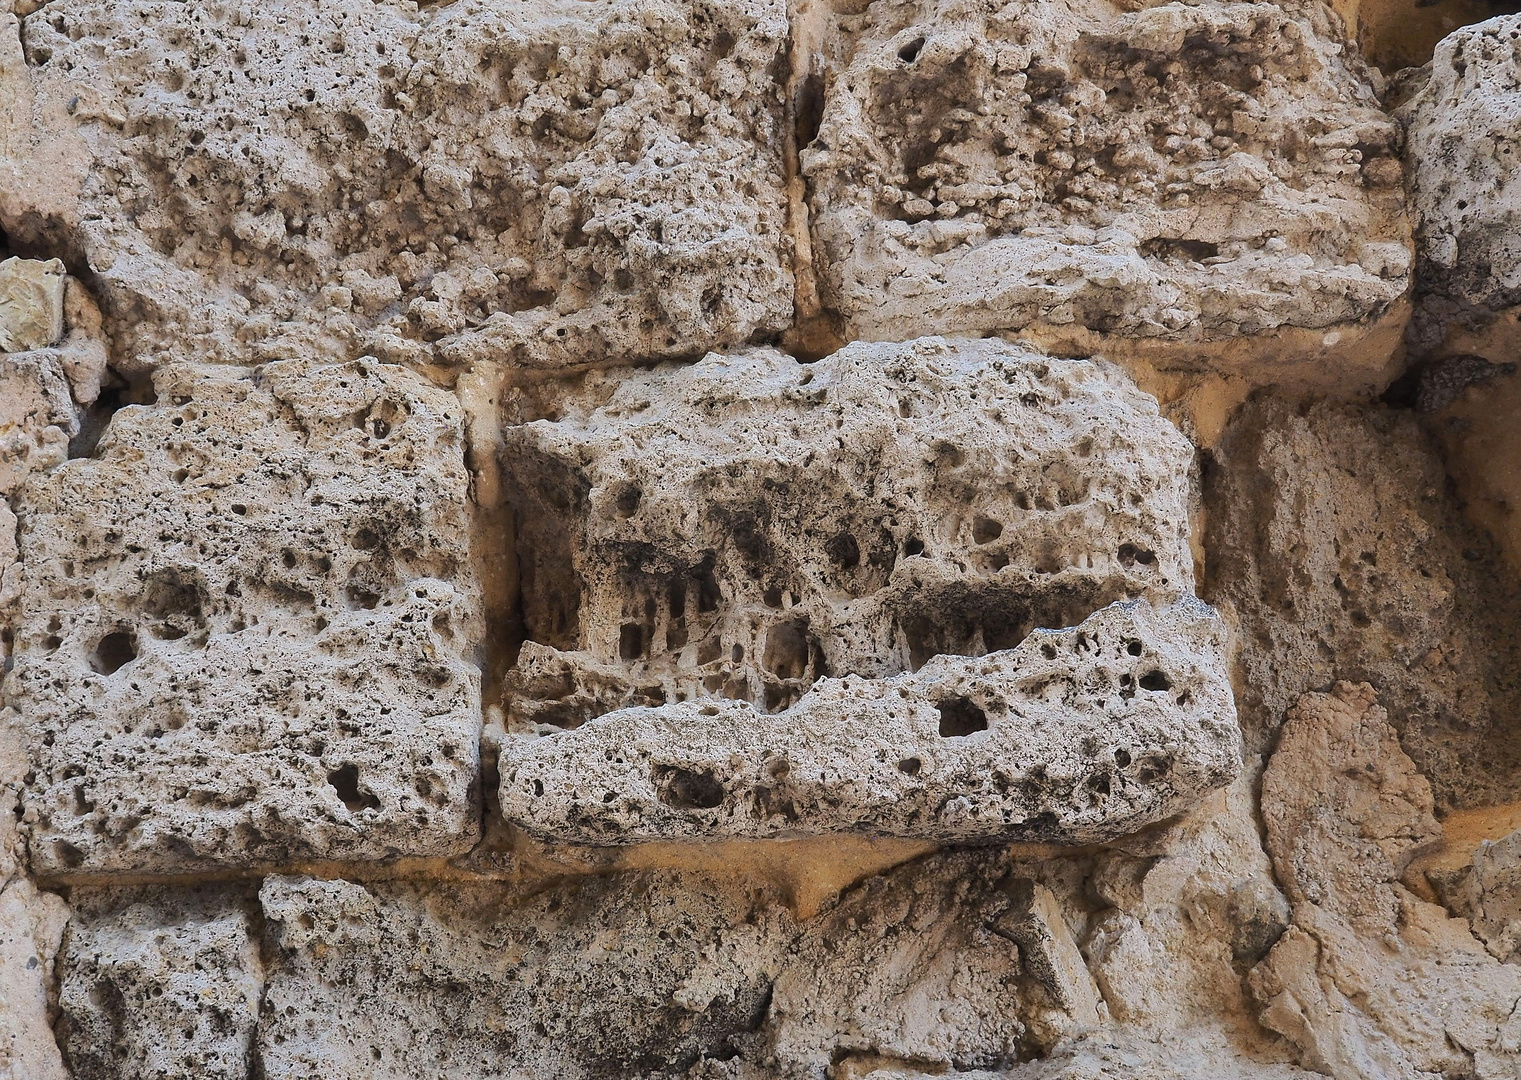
[986, 530]
[1155, 680]
[910, 52]
[809, 111]
[772, 597]
[844, 552]
[913, 546]
[1133, 648]
[626, 502]
[631, 641]
[1129, 555]
[1122, 758]
[345, 781]
[910, 766]
[68, 854]
[786, 654]
[689, 790]
[113, 652]
[961, 716]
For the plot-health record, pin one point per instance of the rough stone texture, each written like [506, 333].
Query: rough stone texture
[548, 180]
[954, 963]
[1334, 545]
[748, 524]
[1465, 184]
[31, 304]
[1075, 736]
[244, 633]
[515, 561]
[1181, 174]
[168, 989]
[623, 976]
[1370, 980]
[31, 924]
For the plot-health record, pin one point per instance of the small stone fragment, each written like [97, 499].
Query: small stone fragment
[31, 303]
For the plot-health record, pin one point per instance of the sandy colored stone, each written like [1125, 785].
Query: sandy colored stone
[31, 303]
[1075, 736]
[1465, 184]
[246, 627]
[160, 989]
[1370, 980]
[1334, 546]
[952, 963]
[31, 925]
[551, 181]
[36, 416]
[746, 525]
[635, 975]
[1164, 179]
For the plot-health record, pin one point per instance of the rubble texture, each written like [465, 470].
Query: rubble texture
[775, 540]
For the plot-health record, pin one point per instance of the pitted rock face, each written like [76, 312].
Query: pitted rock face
[547, 180]
[168, 989]
[1465, 180]
[711, 544]
[31, 304]
[746, 525]
[1076, 736]
[1186, 173]
[244, 629]
[635, 975]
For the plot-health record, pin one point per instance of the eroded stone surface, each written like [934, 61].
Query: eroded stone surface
[627, 976]
[954, 962]
[746, 525]
[1076, 735]
[1178, 175]
[31, 303]
[163, 988]
[1335, 547]
[549, 180]
[36, 416]
[1370, 980]
[245, 628]
[1465, 181]
[31, 925]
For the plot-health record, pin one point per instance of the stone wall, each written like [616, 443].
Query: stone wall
[800, 539]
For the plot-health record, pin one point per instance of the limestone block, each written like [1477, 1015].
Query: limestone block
[1158, 181]
[1465, 184]
[1487, 892]
[166, 989]
[31, 303]
[1336, 548]
[31, 925]
[552, 181]
[36, 416]
[634, 975]
[950, 963]
[748, 524]
[1074, 736]
[247, 627]
[1370, 980]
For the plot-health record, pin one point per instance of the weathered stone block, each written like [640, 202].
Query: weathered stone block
[1164, 180]
[168, 989]
[552, 181]
[635, 975]
[246, 627]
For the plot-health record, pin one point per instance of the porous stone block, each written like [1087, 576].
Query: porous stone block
[246, 627]
[31, 303]
[31, 926]
[1075, 736]
[1465, 183]
[746, 525]
[551, 181]
[36, 416]
[634, 975]
[168, 989]
[1162, 181]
